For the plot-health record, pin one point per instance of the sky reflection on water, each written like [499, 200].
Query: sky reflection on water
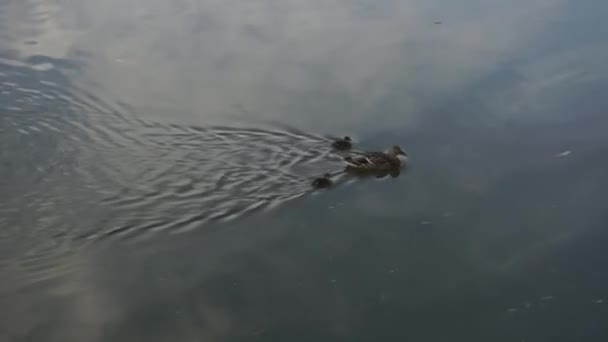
[495, 232]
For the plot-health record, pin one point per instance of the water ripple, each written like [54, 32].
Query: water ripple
[77, 168]
[189, 175]
[173, 175]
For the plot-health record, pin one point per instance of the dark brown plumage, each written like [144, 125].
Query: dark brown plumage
[323, 182]
[343, 144]
[376, 161]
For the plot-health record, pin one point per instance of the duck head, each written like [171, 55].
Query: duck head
[396, 151]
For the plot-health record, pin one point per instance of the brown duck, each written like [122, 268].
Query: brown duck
[377, 161]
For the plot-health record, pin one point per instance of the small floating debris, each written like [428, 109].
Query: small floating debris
[598, 301]
[564, 154]
[438, 23]
[546, 298]
[426, 223]
[512, 310]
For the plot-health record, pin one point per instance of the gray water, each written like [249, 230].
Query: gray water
[156, 159]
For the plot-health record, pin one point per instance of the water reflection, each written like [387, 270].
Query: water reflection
[120, 119]
[338, 65]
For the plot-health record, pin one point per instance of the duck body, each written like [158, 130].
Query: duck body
[343, 144]
[376, 161]
[323, 182]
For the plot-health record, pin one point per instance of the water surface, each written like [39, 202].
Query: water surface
[156, 159]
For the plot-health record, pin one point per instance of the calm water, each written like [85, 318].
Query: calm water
[156, 159]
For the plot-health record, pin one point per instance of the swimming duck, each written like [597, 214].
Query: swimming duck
[342, 144]
[376, 161]
[323, 182]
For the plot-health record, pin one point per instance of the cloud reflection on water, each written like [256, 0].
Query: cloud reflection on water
[316, 65]
[327, 67]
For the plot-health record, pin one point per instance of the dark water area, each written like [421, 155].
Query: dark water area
[156, 160]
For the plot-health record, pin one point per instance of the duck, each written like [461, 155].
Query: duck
[323, 182]
[343, 144]
[376, 161]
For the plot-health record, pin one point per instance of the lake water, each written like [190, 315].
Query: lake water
[156, 159]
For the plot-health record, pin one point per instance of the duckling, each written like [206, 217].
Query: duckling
[323, 182]
[376, 161]
[342, 144]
